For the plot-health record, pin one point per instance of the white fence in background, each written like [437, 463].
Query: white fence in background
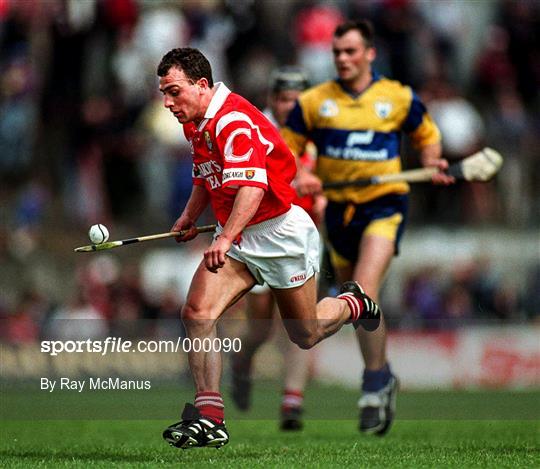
[501, 357]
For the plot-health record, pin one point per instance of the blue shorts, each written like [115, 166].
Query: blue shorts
[347, 223]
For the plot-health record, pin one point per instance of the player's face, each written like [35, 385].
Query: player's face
[281, 104]
[351, 57]
[182, 96]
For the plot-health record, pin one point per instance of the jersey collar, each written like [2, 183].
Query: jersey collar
[220, 95]
[374, 77]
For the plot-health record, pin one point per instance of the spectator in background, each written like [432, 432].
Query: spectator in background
[18, 119]
[532, 297]
[313, 28]
[510, 131]
[521, 20]
[24, 324]
[164, 162]
[423, 299]
[492, 296]
[493, 68]
[397, 23]
[463, 133]
[77, 320]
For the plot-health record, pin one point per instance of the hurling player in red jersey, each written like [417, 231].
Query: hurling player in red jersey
[244, 170]
[286, 84]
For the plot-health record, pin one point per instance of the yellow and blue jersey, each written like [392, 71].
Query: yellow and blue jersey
[359, 136]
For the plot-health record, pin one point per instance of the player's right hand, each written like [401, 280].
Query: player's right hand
[441, 178]
[187, 226]
[307, 183]
[216, 254]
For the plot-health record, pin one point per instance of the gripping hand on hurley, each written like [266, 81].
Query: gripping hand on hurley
[187, 226]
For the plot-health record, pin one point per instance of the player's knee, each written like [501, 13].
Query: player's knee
[305, 339]
[196, 320]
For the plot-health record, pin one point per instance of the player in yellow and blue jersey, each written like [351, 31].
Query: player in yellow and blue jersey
[356, 123]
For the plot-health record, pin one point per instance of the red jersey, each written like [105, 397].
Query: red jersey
[236, 145]
[306, 201]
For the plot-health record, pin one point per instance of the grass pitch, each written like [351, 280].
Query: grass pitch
[451, 429]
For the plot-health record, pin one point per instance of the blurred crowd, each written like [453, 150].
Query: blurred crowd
[131, 300]
[84, 137]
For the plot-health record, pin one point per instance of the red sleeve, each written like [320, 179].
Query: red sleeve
[244, 150]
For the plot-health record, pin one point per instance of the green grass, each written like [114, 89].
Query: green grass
[452, 429]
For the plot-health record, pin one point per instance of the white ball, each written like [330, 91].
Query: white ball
[98, 234]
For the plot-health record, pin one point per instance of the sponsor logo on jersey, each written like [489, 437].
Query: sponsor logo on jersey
[245, 174]
[360, 138]
[357, 154]
[208, 167]
[329, 108]
[210, 170]
[232, 175]
[353, 151]
[383, 108]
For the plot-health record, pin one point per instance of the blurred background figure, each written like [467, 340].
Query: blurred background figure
[314, 27]
[463, 133]
[284, 88]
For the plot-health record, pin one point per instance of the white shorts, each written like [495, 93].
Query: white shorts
[282, 251]
[260, 289]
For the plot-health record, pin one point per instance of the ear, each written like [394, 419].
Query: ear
[371, 54]
[202, 84]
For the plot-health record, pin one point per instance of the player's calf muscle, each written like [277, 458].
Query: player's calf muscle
[304, 333]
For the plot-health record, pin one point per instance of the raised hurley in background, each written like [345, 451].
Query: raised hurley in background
[479, 167]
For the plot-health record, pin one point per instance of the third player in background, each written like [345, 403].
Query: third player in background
[356, 123]
[286, 84]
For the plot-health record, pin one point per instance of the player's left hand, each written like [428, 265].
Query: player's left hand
[215, 255]
[441, 178]
[306, 183]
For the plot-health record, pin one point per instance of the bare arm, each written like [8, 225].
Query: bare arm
[198, 201]
[431, 156]
[305, 181]
[246, 204]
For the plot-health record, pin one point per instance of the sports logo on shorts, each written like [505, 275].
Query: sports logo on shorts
[383, 108]
[208, 140]
[250, 173]
[298, 277]
[329, 108]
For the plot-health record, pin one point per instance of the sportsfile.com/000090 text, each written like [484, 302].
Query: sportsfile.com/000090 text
[119, 345]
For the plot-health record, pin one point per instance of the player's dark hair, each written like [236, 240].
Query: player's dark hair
[364, 27]
[288, 78]
[191, 61]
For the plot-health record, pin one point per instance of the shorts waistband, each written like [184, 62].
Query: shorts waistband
[266, 226]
